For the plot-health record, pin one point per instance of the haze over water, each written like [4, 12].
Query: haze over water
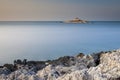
[50, 40]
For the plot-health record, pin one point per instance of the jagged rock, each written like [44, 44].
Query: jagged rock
[4, 70]
[70, 68]
[65, 61]
[76, 75]
[108, 69]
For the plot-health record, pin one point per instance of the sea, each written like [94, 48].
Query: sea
[47, 40]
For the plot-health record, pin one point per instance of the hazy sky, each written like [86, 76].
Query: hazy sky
[59, 10]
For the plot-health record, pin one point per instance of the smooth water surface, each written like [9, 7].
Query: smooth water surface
[50, 40]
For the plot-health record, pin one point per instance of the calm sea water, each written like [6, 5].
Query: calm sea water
[50, 40]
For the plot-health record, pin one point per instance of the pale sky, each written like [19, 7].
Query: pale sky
[47, 10]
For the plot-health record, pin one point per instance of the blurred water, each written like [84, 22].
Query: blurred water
[50, 40]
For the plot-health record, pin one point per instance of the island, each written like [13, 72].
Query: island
[76, 20]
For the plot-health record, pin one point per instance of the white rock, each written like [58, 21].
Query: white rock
[108, 68]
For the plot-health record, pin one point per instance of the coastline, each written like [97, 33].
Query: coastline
[100, 66]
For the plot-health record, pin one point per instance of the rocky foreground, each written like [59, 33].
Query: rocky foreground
[99, 66]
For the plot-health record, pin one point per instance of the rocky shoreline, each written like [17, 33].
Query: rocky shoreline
[97, 66]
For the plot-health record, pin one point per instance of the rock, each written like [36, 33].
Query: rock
[108, 69]
[81, 55]
[82, 67]
[5, 71]
[76, 20]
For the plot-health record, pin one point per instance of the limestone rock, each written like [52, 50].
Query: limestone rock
[82, 67]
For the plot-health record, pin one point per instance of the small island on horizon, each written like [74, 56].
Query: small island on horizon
[76, 20]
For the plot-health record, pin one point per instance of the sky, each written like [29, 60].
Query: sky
[53, 10]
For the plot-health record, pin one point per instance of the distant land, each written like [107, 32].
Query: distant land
[76, 20]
